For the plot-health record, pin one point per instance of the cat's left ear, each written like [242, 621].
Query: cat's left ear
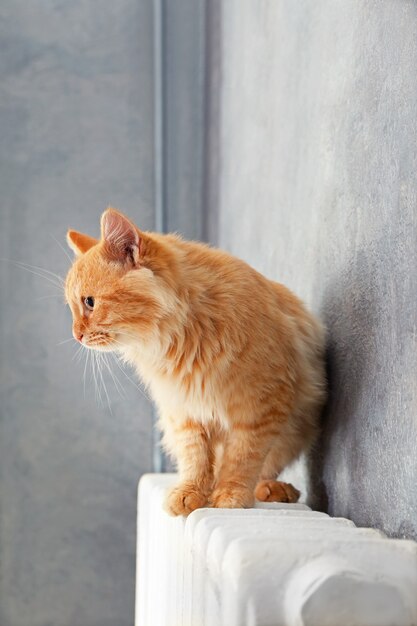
[80, 243]
[122, 237]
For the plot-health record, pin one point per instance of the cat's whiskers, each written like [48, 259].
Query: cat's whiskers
[51, 295]
[116, 381]
[98, 395]
[50, 280]
[59, 281]
[60, 343]
[117, 361]
[85, 368]
[97, 354]
[100, 367]
[77, 354]
[97, 361]
[54, 279]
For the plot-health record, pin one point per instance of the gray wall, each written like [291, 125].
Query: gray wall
[76, 134]
[183, 76]
[315, 130]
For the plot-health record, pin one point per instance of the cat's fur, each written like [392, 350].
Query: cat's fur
[234, 361]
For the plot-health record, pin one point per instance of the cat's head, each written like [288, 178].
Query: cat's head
[119, 287]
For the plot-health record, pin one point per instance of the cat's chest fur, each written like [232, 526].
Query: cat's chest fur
[188, 393]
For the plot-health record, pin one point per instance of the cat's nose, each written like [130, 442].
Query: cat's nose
[78, 336]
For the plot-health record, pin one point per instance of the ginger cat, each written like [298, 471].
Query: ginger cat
[234, 361]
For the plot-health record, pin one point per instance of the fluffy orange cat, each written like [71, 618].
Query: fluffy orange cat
[234, 361]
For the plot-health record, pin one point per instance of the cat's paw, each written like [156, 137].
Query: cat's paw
[276, 491]
[184, 498]
[231, 497]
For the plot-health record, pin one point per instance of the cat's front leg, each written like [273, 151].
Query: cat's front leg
[190, 444]
[245, 450]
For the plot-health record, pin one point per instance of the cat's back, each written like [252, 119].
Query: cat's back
[213, 266]
[236, 289]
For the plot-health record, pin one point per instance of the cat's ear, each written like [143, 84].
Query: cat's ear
[80, 243]
[123, 239]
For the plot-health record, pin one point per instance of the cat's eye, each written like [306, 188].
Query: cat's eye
[89, 302]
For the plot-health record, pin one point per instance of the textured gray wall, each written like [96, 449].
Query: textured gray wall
[76, 134]
[184, 110]
[316, 185]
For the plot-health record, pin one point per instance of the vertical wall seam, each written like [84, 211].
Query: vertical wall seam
[158, 460]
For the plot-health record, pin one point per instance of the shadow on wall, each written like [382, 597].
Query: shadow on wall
[350, 313]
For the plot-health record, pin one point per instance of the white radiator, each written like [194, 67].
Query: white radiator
[274, 565]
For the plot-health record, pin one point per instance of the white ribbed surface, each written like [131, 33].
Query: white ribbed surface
[275, 565]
